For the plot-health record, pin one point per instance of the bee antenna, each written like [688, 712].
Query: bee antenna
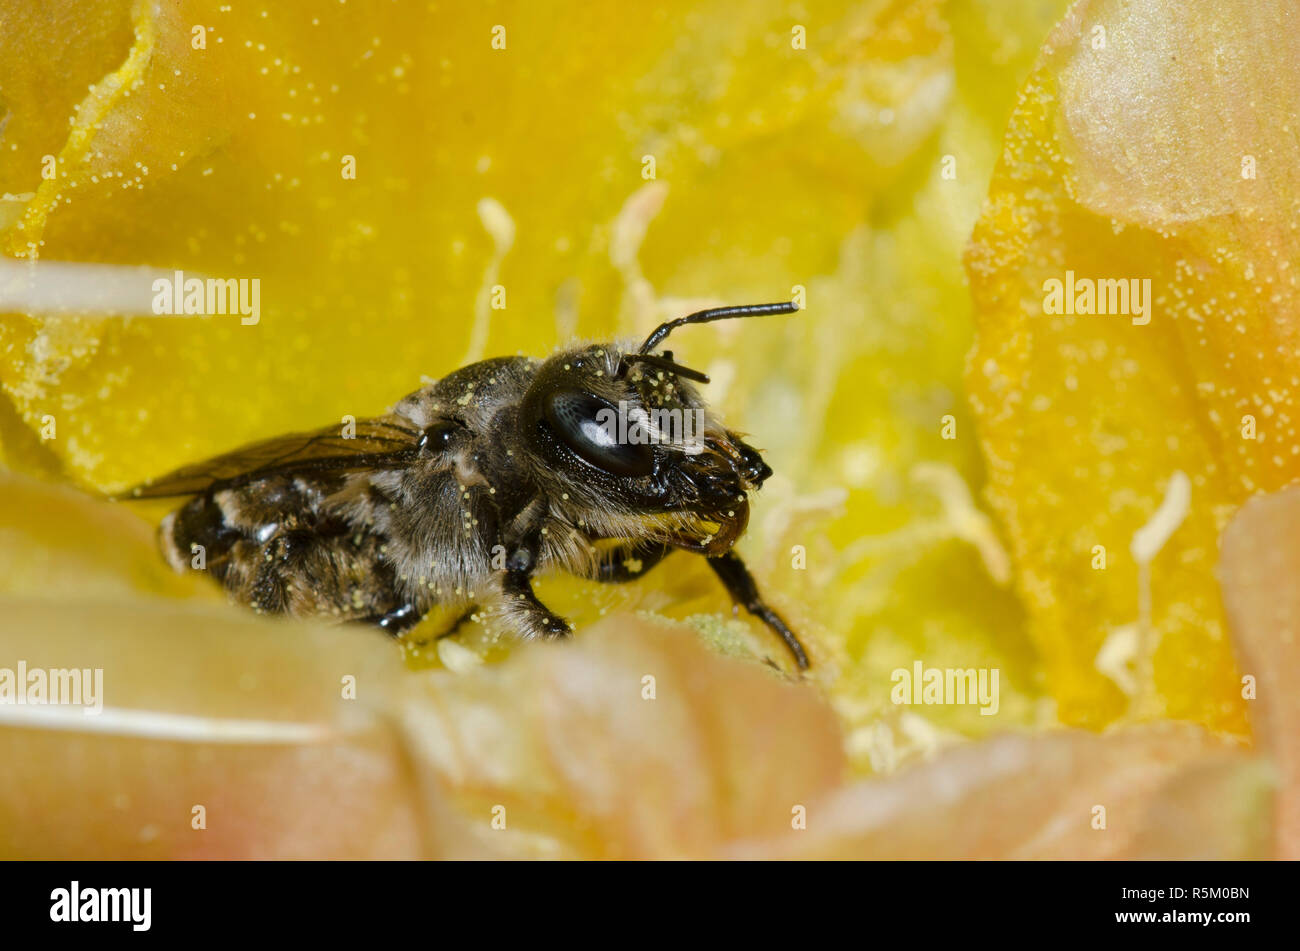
[664, 363]
[717, 313]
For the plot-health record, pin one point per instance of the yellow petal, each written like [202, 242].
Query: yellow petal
[58, 543]
[227, 153]
[1129, 157]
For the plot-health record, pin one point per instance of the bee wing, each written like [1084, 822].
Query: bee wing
[385, 443]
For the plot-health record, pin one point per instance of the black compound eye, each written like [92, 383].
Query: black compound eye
[437, 438]
[590, 427]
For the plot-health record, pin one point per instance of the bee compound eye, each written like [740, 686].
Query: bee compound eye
[590, 426]
[437, 437]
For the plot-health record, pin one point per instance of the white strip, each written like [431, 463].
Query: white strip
[161, 726]
[1146, 544]
[962, 518]
[1118, 657]
[627, 231]
[65, 287]
[1151, 537]
[501, 228]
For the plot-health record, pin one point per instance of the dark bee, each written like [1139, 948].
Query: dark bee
[586, 462]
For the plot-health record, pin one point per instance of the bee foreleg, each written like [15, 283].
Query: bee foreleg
[629, 561]
[740, 584]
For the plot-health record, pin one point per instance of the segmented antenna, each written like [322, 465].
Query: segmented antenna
[717, 313]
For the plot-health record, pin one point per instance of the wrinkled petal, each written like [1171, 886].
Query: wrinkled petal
[203, 706]
[637, 742]
[1260, 565]
[1125, 159]
[1166, 792]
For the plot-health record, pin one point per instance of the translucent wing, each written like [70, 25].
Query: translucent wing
[383, 443]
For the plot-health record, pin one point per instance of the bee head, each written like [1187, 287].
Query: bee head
[624, 429]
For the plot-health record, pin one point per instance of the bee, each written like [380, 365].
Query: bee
[600, 460]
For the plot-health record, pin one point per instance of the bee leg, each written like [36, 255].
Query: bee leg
[397, 620]
[630, 561]
[529, 614]
[740, 584]
[523, 541]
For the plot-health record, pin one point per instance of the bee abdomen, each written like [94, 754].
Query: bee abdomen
[198, 536]
[278, 554]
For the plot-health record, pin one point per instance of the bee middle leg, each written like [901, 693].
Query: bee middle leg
[522, 541]
[530, 615]
[400, 620]
[395, 622]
